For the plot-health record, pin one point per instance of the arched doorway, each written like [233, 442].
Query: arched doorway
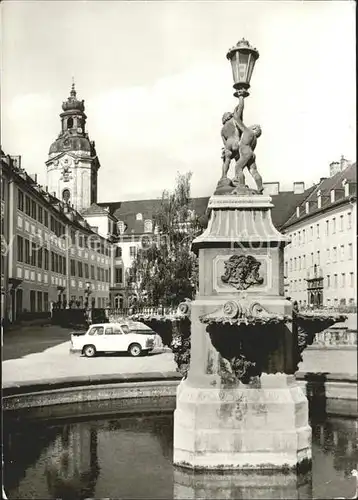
[118, 301]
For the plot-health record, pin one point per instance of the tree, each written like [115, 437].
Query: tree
[165, 270]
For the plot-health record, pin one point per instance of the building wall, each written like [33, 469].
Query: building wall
[75, 255]
[101, 222]
[327, 240]
[4, 240]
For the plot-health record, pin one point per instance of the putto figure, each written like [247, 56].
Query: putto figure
[239, 144]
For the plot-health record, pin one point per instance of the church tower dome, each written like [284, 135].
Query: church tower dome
[73, 163]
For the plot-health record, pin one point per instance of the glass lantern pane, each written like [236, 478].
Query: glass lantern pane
[243, 66]
[251, 64]
[235, 67]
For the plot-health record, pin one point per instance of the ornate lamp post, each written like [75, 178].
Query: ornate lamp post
[242, 57]
[88, 292]
[239, 139]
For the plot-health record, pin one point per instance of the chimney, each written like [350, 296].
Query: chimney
[344, 163]
[334, 168]
[298, 187]
[46, 189]
[271, 188]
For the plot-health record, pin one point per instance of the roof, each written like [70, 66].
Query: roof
[325, 187]
[71, 143]
[95, 209]
[127, 211]
[284, 206]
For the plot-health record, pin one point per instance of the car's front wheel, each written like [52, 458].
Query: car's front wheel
[89, 351]
[135, 350]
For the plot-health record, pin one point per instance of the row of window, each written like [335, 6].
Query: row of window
[28, 253]
[299, 263]
[38, 301]
[132, 252]
[83, 270]
[314, 231]
[38, 213]
[81, 301]
[330, 282]
[40, 257]
[84, 241]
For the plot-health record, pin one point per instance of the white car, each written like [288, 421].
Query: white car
[112, 337]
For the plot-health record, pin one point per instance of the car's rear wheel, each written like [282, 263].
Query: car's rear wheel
[135, 350]
[89, 351]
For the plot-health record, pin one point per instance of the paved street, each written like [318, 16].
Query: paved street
[22, 340]
[35, 353]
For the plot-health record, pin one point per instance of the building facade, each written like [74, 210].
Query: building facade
[321, 260]
[49, 251]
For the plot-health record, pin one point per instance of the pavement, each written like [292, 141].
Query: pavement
[34, 354]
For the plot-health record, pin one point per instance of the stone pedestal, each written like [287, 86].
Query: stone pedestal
[225, 418]
[248, 485]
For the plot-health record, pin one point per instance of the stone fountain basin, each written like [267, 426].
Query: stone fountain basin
[99, 440]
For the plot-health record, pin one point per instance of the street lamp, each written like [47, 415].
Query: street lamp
[88, 292]
[242, 57]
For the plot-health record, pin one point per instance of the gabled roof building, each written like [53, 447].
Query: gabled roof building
[321, 261]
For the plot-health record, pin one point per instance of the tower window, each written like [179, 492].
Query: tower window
[66, 195]
[70, 122]
[139, 216]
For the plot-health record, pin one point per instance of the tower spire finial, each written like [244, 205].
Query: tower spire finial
[73, 90]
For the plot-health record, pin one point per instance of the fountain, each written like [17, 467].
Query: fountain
[239, 405]
[241, 426]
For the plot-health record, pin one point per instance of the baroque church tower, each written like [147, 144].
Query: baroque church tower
[73, 164]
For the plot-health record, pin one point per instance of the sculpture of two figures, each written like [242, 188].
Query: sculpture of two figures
[239, 145]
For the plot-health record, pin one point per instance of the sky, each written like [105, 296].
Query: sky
[156, 81]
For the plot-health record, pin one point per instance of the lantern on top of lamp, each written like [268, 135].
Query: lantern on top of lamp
[242, 57]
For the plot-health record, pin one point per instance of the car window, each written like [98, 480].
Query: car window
[117, 330]
[125, 328]
[109, 330]
[96, 330]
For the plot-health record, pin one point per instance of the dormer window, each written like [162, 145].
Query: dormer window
[332, 195]
[120, 227]
[307, 207]
[297, 212]
[346, 189]
[148, 226]
[319, 199]
[139, 216]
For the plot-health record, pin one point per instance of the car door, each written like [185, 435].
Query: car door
[127, 336]
[97, 336]
[114, 338]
